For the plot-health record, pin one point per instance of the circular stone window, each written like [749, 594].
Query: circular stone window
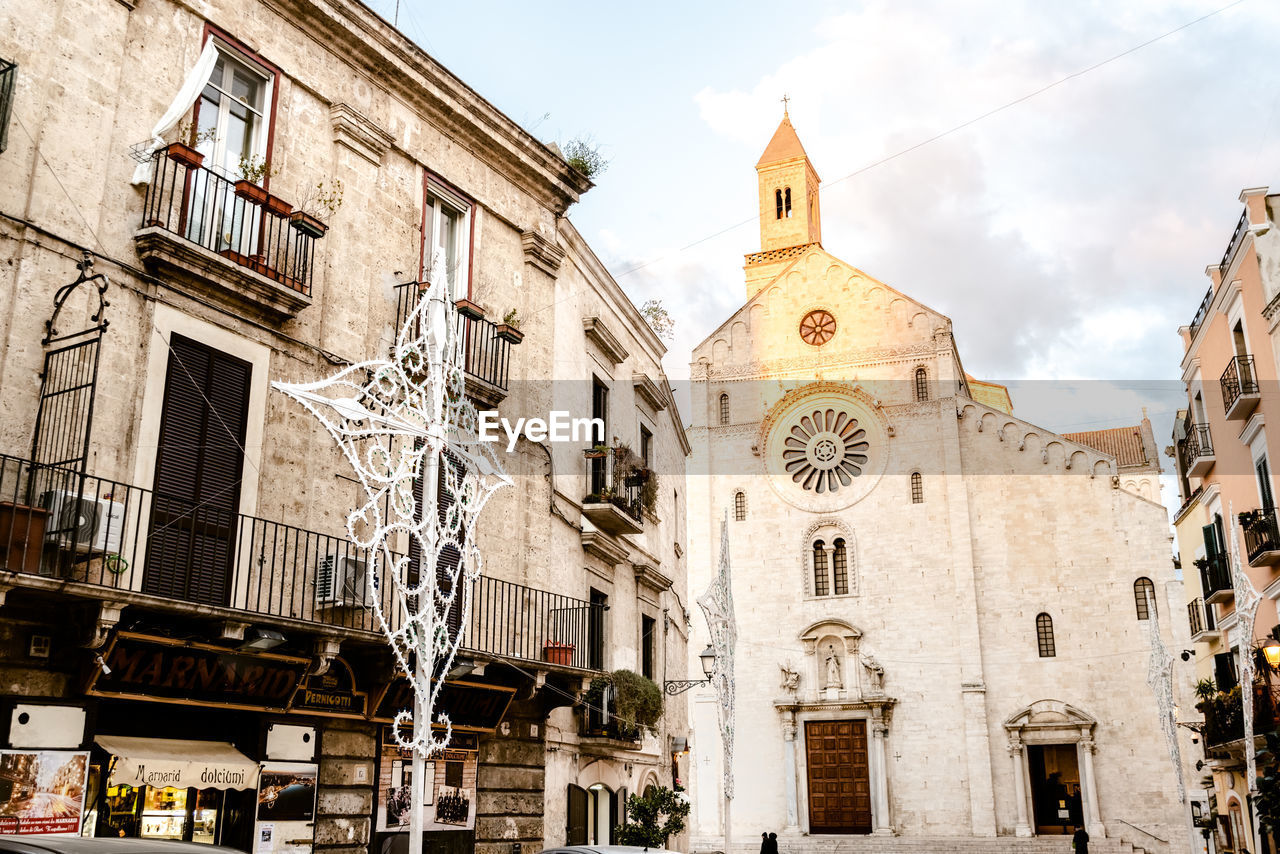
[824, 447]
[826, 450]
[817, 327]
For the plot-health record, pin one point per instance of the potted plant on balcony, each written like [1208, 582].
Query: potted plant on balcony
[596, 452]
[509, 328]
[555, 652]
[253, 172]
[634, 703]
[469, 309]
[322, 198]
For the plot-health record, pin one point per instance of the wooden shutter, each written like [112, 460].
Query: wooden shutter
[615, 816]
[449, 557]
[576, 827]
[199, 466]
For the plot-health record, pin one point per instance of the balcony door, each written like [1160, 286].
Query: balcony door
[199, 466]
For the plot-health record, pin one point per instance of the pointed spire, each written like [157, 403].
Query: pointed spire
[785, 145]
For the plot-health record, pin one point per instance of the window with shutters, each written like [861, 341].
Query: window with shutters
[648, 631]
[1143, 592]
[446, 227]
[199, 468]
[599, 604]
[450, 556]
[739, 506]
[576, 824]
[1044, 636]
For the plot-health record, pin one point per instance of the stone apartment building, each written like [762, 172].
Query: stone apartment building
[181, 604]
[943, 611]
[1223, 442]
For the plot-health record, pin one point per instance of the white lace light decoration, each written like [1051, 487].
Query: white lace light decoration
[1160, 678]
[1247, 599]
[717, 606]
[407, 429]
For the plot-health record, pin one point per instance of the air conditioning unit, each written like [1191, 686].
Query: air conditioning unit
[343, 582]
[84, 523]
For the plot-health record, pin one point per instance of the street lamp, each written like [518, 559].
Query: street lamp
[1271, 651]
[679, 686]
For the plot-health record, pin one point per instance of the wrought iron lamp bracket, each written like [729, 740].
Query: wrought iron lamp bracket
[674, 687]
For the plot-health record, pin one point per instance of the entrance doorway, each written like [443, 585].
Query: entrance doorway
[839, 778]
[1055, 787]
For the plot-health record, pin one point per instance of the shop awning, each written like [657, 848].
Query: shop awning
[178, 763]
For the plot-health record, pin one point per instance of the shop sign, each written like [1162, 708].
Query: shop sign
[169, 671]
[449, 793]
[333, 693]
[42, 791]
[471, 706]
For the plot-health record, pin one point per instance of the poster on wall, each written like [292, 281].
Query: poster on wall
[286, 808]
[42, 791]
[449, 798]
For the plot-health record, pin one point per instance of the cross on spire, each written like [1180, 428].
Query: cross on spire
[785, 99]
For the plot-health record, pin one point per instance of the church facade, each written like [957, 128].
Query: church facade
[944, 613]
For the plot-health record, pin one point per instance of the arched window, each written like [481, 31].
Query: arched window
[739, 506]
[922, 384]
[724, 408]
[840, 566]
[786, 204]
[777, 196]
[821, 586]
[1142, 588]
[917, 488]
[1044, 635]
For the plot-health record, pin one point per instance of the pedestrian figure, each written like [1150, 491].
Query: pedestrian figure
[764, 843]
[773, 843]
[1080, 841]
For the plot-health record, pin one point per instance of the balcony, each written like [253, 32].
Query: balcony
[1240, 393]
[224, 239]
[1197, 451]
[1201, 619]
[96, 539]
[1215, 579]
[1261, 536]
[1224, 715]
[1202, 313]
[615, 503]
[486, 347]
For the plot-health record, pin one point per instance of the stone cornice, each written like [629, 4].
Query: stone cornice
[541, 252]
[601, 545]
[771, 368]
[648, 391]
[358, 133]
[599, 334]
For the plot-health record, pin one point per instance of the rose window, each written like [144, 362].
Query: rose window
[825, 450]
[817, 327]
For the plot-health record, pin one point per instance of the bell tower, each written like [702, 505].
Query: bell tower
[789, 212]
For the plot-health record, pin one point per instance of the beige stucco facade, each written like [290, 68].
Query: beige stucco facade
[347, 99]
[894, 573]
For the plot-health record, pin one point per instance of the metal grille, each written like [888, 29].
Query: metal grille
[917, 488]
[1044, 635]
[724, 409]
[922, 384]
[740, 507]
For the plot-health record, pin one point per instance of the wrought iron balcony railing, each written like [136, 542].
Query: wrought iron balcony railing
[1261, 536]
[203, 207]
[1201, 313]
[61, 530]
[1239, 382]
[1200, 616]
[1224, 714]
[1237, 237]
[1197, 450]
[486, 348]
[615, 498]
[1215, 578]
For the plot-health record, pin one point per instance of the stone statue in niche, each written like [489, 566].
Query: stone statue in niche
[832, 661]
[790, 678]
[875, 674]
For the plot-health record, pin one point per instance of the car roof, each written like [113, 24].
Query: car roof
[34, 844]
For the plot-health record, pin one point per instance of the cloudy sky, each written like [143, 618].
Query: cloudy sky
[1066, 236]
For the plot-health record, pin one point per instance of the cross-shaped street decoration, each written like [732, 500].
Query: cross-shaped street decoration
[407, 429]
[1160, 678]
[717, 607]
[1247, 599]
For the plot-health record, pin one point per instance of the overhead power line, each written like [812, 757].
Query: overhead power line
[954, 129]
